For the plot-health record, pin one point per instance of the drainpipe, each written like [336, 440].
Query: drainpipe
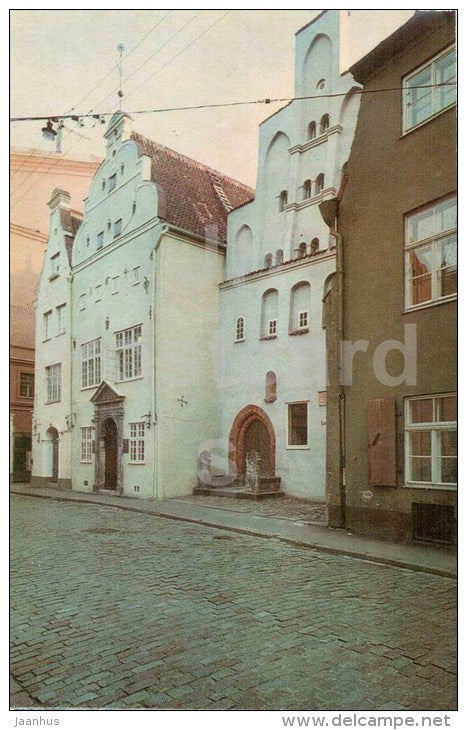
[155, 481]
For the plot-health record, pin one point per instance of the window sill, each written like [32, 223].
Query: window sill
[59, 334]
[270, 400]
[268, 337]
[428, 305]
[135, 283]
[427, 121]
[130, 380]
[91, 387]
[82, 461]
[297, 448]
[428, 485]
[115, 292]
[53, 276]
[136, 463]
[47, 339]
[49, 402]
[301, 331]
[242, 340]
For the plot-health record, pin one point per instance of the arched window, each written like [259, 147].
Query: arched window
[279, 256]
[319, 183]
[314, 245]
[307, 189]
[299, 317]
[312, 130]
[301, 250]
[268, 261]
[283, 200]
[271, 387]
[269, 305]
[240, 330]
[324, 123]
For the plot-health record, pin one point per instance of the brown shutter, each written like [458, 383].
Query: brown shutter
[381, 421]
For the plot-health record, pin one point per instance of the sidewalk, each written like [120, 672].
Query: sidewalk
[295, 531]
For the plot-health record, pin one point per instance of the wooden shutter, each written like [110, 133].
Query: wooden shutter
[125, 446]
[381, 423]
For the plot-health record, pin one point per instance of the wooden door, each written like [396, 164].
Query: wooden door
[55, 457]
[257, 442]
[110, 441]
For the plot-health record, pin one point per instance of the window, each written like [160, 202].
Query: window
[279, 256]
[315, 245]
[82, 301]
[269, 312]
[98, 292]
[283, 197]
[307, 189]
[431, 253]
[312, 130]
[47, 325]
[55, 265]
[297, 424]
[129, 353]
[87, 440]
[136, 443]
[115, 284]
[54, 382]
[302, 320]
[321, 84]
[112, 181]
[26, 385]
[61, 324]
[324, 124]
[117, 227]
[100, 240]
[136, 275]
[319, 183]
[299, 317]
[271, 387]
[91, 363]
[420, 104]
[431, 441]
[240, 330]
[268, 261]
[301, 250]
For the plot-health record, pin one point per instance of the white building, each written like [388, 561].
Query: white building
[279, 255]
[127, 319]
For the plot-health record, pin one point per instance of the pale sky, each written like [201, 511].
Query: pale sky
[58, 56]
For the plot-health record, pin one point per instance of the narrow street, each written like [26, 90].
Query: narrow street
[123, 610]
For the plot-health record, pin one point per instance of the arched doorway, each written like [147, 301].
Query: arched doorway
[252, 436]
[110, 438]
[51, 454]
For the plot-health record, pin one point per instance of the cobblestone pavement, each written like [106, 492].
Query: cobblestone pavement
[122, 610]
[288, 507]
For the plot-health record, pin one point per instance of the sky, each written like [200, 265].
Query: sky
[174, 58]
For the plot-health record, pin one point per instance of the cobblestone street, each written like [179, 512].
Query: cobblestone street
[117, 609]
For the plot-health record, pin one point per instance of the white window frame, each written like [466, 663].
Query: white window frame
[47, 325]
[87, 440]
[98, 292]
[136, 275]
[100, 240]
[240, 329]
[435, 241]
[91, 363]
[82, 302]
[298, 447]
[112, 182]
[136, 448]
[303, 314]
[54, 382]
[118, 228]
[115, 284]
[29, 385]
[55, 265]
[406, 91]
[433, 427]
[129, 355]
[61, 324]
[272, 327]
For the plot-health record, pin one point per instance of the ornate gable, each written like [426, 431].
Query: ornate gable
[106, 394]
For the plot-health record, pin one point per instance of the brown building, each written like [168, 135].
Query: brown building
[391, 408]
[33, 175]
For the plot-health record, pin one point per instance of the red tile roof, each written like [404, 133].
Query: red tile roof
[192, 195]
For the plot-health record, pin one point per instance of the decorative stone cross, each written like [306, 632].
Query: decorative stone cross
[182, 401]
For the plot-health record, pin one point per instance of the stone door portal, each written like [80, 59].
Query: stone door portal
[108, 420]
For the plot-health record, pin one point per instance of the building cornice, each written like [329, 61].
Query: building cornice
[317, 141]
[28, 233]
[31, 161]
[291, 265]
[314, 200]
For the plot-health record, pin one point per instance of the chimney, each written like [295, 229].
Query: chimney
[60, 199]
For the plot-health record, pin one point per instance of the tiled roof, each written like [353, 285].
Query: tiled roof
[192, 195]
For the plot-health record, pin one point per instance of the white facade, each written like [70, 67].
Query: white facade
[277, 242]
[139, 356]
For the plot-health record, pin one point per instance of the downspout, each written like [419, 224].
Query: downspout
[155, 480]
